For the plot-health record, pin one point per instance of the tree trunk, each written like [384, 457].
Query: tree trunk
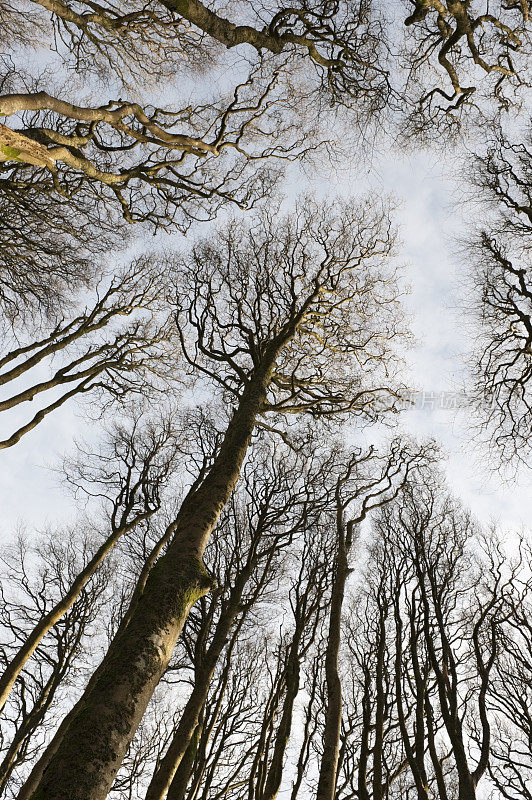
[182, 775]
[191, 717]
[333, 715]
[378, 744]
[37, 772]
[275, 773]
[443, 664]
[93, 747]
[414, 755]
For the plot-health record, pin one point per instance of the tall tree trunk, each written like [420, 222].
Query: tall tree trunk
[190, 719]
[183, 773]
[378, 744]
[446, 681]
[364, 750]
[275, 772]
[37, 772]
[188, 724]
[414, 755]
[34, 716]
[199, 741]
[333, 714]
[93, 747]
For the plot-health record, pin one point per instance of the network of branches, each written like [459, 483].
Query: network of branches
[266, 587]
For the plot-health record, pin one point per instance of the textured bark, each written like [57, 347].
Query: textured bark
[95, 743]
[190, 719]
[14, 146]
[33, 717]
[222, 29]
[36, 774]
[93, 747]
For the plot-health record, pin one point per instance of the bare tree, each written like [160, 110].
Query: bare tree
[371, 757]
[142, 547]
[336, 42]
[363, 484]
[165, 166]
[460, 597]
[242, 742]
[434, 670]
[370, 483]
[98, 352]
[29, 590]
[134, 44]
[501, 258]
[129, 472]
[426, 652]
[311, 336]
[308, 598]
[41, 275]
[462, 56]
[274, 501]
[509, 700]
[170, 165]
[312, 682]
[231, 728]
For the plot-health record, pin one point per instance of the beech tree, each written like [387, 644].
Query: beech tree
[170, 164]
[195, 439]
[337, 49]
[371, 758]
[362, 485]
[167, 164]
[79, 160]
[308, 598]
[314, 336]
[231, 728]
[449, 606]
[334, 38]
[276, 498]
[41, 275]
[462, 57]
[433, 666]
[258, 603]
[129, 471]
[98, 353]
[29, 593]
[500, 255]
[510, 766]
[241, 745]
[161, 166]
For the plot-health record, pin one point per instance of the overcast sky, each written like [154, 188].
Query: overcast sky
[430, 220]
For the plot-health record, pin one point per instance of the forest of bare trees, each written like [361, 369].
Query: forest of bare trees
[270, 586]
